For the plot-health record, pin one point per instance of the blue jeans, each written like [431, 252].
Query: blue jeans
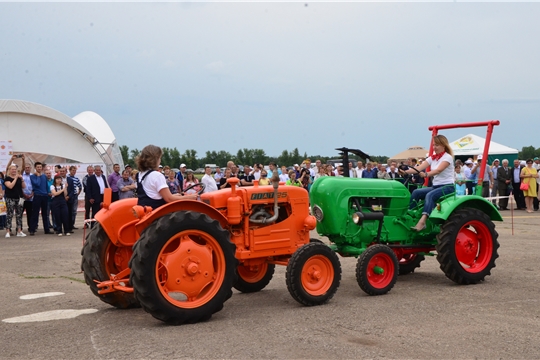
[431, 195]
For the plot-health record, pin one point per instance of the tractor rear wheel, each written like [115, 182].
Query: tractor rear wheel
[183, 268]
[101, 259]
[467, 246]
[409, 263]
[313, 274]
[254, 278]
[377, 270]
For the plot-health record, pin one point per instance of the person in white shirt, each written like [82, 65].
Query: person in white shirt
[208, 181]
[152, 189]
[442, 172]
[218, 175]
[284, 174]
[359, 169]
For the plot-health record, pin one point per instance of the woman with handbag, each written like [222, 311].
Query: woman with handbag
[528, 184]
[14, 202]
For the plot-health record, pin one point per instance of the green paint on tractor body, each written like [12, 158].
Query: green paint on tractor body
[335, 200]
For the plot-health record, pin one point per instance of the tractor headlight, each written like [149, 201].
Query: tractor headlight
[356, 218]
[318, 213]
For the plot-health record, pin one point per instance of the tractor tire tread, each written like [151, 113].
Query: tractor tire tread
[446, 247]
[142, 268]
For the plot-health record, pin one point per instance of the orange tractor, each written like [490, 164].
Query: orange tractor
[181, 260]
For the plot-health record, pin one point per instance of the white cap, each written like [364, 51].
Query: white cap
[468, 162]
[182, 165]
[295, 165]
[496, 160]
[479, 157]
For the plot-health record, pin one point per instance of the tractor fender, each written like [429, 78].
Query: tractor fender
[451, 204]
[181, 205]
[115, 216]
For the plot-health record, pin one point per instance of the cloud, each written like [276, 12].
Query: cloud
[216, 67]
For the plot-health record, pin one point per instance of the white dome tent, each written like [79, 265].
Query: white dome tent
[49, 136]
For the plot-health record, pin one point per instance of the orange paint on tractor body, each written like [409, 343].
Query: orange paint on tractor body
[257, 242]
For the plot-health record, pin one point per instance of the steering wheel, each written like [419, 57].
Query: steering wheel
[199, 192]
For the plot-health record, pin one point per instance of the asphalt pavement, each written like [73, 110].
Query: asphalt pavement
[425, 316]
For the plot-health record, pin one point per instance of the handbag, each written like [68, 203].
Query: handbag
[524, 186]
[3, 207]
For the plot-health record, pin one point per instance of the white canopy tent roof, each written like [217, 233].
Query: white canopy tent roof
[51, 136]
[474, 145]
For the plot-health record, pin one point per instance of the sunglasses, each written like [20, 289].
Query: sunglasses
[263, 175]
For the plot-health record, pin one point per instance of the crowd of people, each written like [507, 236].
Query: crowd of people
[39, 192]
[42, 192]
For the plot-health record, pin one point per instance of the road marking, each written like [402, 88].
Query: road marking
[50, 315]
[37, 296]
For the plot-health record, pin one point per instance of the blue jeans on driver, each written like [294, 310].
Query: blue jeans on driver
[431, 195]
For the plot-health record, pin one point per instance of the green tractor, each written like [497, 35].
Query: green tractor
[370, 219]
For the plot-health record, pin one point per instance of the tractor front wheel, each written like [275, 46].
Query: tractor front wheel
[377, 270]
[101, 259]
[409, 262]
[254, 278]
[313, 274]
[183, 268]
[467, 246]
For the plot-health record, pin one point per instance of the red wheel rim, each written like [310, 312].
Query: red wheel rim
[407, 259]
[378, 262]
[252, 274]
[190, 269]
[117, 258]
[317, 275]
[474, 246]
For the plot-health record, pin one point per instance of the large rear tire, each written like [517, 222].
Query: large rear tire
[467, 246]
[254, 278]
[101, 259]
[183, 268]
[313, 274]
[377, 270]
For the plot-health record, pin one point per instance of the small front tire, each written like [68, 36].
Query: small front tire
[254, 278]
[313, 274]
[409, 263]
[377, 270]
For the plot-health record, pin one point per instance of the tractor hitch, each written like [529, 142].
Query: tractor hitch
[118, 282]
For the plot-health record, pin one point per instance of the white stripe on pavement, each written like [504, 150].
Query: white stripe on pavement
[42, 295]
[50, 315]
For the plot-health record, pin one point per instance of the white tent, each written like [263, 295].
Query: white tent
[48, 136]
[472, 145]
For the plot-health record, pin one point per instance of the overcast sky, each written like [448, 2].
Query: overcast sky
[224, 76]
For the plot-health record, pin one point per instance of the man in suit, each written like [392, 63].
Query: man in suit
[95, 186]
[515, 172]
[504, 180]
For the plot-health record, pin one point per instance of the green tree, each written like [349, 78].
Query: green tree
[190, 159]
[134, 153]
[166, 157]
[528, 152]
[124, 150]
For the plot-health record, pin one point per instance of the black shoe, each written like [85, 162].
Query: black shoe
[501, 209]
[75, 228]
[32, 233]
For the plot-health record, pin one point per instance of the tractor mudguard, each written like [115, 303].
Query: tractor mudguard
[182, 205]
[114, 216]
[451, 204]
